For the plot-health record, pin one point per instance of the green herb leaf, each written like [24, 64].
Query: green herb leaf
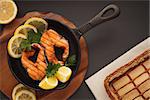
[34, 37]
[71, 61]
[52, 69]
[31, 38]
[25, 44]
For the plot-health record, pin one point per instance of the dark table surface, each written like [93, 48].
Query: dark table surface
[107, 41]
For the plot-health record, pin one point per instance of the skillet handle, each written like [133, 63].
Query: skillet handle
[99, 18]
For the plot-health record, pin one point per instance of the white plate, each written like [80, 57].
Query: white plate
[96, 81]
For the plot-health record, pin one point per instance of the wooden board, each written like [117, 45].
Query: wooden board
[8, 81]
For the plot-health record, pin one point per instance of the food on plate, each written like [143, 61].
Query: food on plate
[63, 74]
[50, 39]
[13, 47]
[131, 81]
[39, 23]
[19, 40]
[36, 70]
[8, 11]
[48, 83]
[17, 93]
[32, 39]
[25, 29]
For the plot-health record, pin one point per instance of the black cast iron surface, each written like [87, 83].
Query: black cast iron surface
[107, 41]
[74, 49]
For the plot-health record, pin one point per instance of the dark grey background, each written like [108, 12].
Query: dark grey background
[105, 42]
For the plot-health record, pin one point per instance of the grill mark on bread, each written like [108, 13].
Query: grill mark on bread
[147, 70]
[136, 86]
[116, 92]
[131, 82]
[138, 97]
[137, 62]
[146, 92]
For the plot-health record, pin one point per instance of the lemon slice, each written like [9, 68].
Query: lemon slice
[24, 29]
[48, 83]
[63, 74]
[25, 95]
[8, 10]
[39, 23]
[18, 88]
[13, 47]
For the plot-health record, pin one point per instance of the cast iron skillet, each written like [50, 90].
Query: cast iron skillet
[73, 36]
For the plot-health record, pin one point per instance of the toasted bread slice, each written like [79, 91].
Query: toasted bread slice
[131, 81]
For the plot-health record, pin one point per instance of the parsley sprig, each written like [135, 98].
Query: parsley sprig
[32, 37]
[71, 61]
[52, 69]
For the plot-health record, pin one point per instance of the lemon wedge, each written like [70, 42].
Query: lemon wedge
[25, 95]
[39, 23]
[24, 29]
[13, 46]
[63, 74]
[48, 83]
[8, 10]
